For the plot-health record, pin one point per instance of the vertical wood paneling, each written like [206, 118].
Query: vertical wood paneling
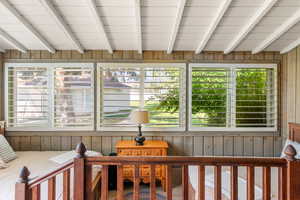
[35, 142]
[297, 89]
[25, 143]
[188, 145]
[258, 145]
[87, 141]
[248, 146]
[268, 146]
[178, 145]
[46, 143]
[96, 143]
[56, 143]
[169, 140]
[291, 86]
[277, 146]
[284, 79]
[218, 146]
[198, 145]
[228, 145]
[238, 146]
[74, 141]
[66, 143]
[208, 145]
[106, 145]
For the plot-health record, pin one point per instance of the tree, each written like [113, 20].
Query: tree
[210, 97]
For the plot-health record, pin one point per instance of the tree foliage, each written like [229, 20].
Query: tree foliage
[210, 97]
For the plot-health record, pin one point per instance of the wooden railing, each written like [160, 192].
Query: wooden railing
[288, 176]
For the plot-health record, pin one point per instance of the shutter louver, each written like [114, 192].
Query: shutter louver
[128, 87]
[210, 102]
[73, 98]
[233, 97]
[27, 97]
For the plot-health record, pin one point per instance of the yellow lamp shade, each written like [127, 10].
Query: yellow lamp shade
[140, 117]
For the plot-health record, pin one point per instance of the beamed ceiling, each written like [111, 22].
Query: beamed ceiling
[168, 25]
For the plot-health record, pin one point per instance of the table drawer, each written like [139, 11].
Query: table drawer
[140, 152]
[143, 171]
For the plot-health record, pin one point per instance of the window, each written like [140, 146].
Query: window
[63, 96]
[158, 88]
[44, 96]
[233, 97]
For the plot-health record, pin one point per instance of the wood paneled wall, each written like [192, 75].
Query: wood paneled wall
[185, 143]
[1, 87]
[290, 89]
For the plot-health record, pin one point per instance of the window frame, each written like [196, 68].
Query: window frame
[182, 90]
[232, 66]
[50, 69]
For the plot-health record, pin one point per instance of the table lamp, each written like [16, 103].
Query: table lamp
[140, 117]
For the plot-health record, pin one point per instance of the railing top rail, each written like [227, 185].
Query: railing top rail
[40, 179]
[187, 160]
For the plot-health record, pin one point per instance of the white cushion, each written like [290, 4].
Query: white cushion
[6, 152]
[3, 165]
[68, 156]
[296, 145]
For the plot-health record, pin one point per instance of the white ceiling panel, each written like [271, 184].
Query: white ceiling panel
[157, 19]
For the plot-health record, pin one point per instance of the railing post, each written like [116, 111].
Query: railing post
[22, 190]
[79, 175]
[293, 173]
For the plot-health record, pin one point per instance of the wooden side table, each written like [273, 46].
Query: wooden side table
[150, 148]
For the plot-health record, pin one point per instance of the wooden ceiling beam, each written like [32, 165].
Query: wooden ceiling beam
[27, 25]
[48, 5]
[138, 25]
[283, 28]
[212, 27]
[178, 18]
[99, 24]
[254, 20]
[13, 42]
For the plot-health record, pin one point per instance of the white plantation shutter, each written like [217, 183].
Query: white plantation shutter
[210, 103]
[50, 96]
[256, 104]
[233, 97]
[73, 97]
[27, 97]
[127, 87]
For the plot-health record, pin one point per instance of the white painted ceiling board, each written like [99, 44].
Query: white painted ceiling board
[157, 20]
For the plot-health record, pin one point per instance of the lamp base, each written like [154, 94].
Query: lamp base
[139, 140]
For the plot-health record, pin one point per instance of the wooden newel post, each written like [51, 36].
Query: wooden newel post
[79, 175]
[22, 190]
[293, 174]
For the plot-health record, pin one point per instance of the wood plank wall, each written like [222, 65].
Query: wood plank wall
[290, 89]
[199, 143]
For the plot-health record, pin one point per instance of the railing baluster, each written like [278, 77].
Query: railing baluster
[36, 192]
[169, 182]
[185, 182]
[201, 182]
[89, 193]
[152, 183]
[234, 182]
[282, 183]
[120, 183]
[266, 183]
[104, 183]
[218, 183]
[250, 183]
[66, 185]
[51, 188]
[136, 183]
